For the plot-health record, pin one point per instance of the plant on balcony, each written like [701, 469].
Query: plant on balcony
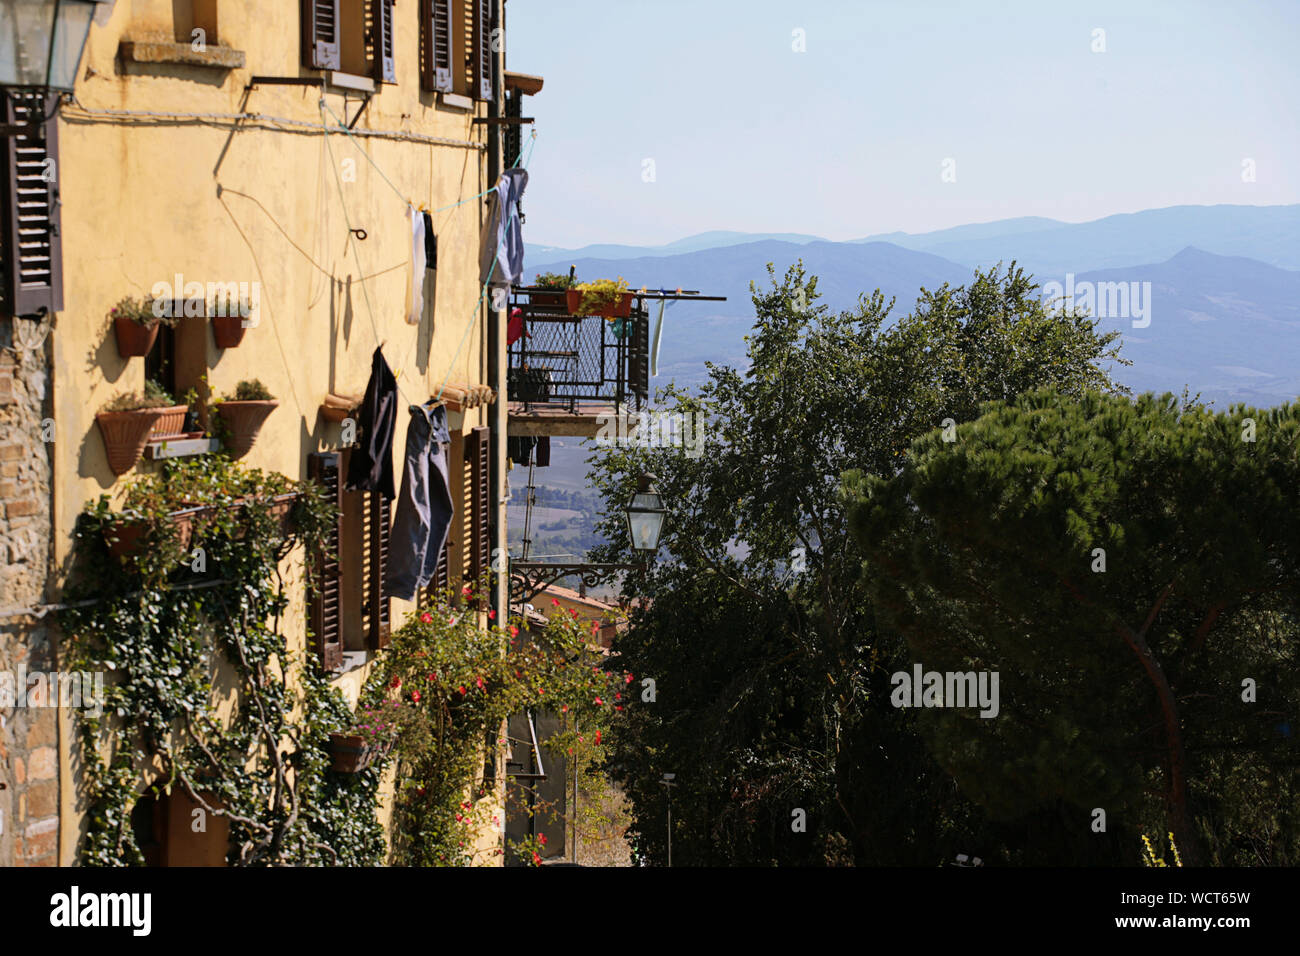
[549, 288]
[227, 321]
[162, 626]
[241, 416]
[128, 421]
[136, 324]
[608, 298]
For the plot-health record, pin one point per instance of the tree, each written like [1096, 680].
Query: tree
[756, 627]
[1124, 566]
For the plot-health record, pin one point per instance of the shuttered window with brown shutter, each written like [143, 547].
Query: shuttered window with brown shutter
[324, 598]
[321, 34]
[33, 251]
[480, 532]
[385, 62]
[436, 40]
[378, 603]
[481, 67]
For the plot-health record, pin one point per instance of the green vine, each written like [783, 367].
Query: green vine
[184, 621]
[444, 689]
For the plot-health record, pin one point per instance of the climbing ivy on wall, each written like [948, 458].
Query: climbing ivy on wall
[203, 694]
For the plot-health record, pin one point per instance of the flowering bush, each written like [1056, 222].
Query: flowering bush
[447, 685]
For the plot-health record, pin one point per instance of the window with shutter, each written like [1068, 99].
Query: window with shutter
[382, 25]
[435, 35]
[480, 535]
[378, 603]
[320, 34]
[324, 600]
[33, 252]
[482, 50]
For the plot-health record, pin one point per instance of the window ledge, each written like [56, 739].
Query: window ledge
[349, 81]
[352, 661]
[455, 101]
[180, 448]
[212, 56]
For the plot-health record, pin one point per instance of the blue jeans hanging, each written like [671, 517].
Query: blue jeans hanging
[424, 508]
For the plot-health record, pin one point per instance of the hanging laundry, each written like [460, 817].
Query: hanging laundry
[415, 290]
[502, 252]
[519, 448]
[430, 244]
[424, 511]
[515, 330]
[542, 453]
[370, 465]
[659, 331]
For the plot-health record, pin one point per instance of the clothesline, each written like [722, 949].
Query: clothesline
[364, 288]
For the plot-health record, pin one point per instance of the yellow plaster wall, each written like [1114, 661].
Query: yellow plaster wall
[144, 199]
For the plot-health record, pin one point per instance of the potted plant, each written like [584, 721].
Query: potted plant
[127, 422]
[608, 298]
[549, 288]
[370, 738]
[136, 324]
[243, 415]
[228, 321]
[126, 536]
[171, 424]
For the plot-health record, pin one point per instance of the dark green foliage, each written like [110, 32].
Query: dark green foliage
[1120, 689]
[768, 659]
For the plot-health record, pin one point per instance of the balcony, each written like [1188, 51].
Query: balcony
[568, 372]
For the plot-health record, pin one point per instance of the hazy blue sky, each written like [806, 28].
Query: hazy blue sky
[848, 138]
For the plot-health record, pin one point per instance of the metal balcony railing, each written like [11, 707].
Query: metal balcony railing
[563, 361]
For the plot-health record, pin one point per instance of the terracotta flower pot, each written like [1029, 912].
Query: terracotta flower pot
[133, 339]
[244, 420]
[171, 423]
[619, 308]
[125, 435]
[556, 297]
[352, 753]
[127, 535]
[228, 330]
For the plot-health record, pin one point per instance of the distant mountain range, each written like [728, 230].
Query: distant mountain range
[1226, 323]
[1224, 292]
[1270, 234]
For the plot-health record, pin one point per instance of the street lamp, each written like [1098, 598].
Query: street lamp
[645, 522]
[41, 42]
[668, 783]
[645, 516]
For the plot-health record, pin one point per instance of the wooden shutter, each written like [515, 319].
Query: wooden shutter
[378, 603]
[480, 533]
[320, 34]
[385, 63]
[435, 34]
[481, 68]
[33, 249]
[326, 625]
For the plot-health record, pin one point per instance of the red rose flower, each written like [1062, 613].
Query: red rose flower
[492, 615]
[599, 702]
[598, 738]
[397, 682]
[514, 631]
[463, 690]
[426, 617]
[541, 838]
[537, 860]
[415, 696]
[627, 679]
[555, 602]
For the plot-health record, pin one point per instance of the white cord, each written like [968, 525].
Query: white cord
[272, 122]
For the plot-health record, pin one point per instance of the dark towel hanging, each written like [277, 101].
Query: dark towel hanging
[370, 466]
[430, 244]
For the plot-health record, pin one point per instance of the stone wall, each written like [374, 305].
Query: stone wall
[29, 765]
